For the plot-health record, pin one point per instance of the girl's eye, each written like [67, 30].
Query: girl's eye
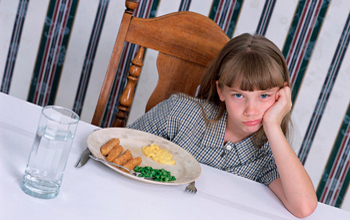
[264, 96]
[238, 96]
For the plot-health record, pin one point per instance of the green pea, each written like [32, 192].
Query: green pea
[158, 174]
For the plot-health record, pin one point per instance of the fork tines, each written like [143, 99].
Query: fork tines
[191, 188]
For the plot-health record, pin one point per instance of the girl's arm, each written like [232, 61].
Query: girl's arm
[294, 187]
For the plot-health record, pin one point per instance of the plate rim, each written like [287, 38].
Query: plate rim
[92, 150]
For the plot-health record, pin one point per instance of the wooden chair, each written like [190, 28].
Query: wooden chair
[187, 42]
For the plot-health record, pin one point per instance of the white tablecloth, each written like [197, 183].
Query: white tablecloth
[97, 192]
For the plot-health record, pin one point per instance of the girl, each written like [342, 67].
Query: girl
[239, 121]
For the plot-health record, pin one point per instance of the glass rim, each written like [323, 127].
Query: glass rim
[75, 119]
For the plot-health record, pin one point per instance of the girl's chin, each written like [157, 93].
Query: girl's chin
[252, 129]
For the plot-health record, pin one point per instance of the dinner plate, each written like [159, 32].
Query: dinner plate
[186, 169]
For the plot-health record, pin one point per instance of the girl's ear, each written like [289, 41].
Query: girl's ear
[219, 91]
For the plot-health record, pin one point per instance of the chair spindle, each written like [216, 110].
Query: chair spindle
[128, 93]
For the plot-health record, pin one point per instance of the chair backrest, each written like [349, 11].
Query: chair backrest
[187, 42]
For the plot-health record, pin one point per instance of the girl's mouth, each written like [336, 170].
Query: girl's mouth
[252, 123]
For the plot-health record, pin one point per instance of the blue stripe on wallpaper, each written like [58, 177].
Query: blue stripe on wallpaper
[185, 5]
[90, 56]
[265, 17]
[14, 45]
[225, 13]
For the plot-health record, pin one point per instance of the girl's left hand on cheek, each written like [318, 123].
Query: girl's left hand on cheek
[280, 108]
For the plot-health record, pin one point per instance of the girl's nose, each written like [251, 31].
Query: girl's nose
[251, 109]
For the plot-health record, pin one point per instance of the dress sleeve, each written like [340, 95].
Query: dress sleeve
[269, 171]
[155, 120]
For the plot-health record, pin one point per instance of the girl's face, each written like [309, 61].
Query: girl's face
[245, 109]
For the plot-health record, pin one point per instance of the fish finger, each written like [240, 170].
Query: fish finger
[122, 159]
[131, 164]
[114, 153]
[105, 149]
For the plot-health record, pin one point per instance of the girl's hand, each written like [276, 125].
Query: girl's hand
[275, 114]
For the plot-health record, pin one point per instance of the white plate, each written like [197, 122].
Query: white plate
[186, 169]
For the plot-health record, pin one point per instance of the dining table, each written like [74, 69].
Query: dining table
[95, 191]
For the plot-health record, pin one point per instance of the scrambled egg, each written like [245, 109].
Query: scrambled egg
[159, 155]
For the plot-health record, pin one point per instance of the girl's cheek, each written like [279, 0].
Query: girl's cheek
[269, 104]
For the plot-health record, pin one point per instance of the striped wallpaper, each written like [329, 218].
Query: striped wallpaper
[265, 17]
[325, 92]
[302, 38]
[225, 13]
[57, 53]
[90, 55]
[14, 44]
[336, 177]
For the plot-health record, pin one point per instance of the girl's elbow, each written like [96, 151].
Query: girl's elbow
[305, 209]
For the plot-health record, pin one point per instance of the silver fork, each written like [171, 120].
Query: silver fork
[111, 163]
[191, 188]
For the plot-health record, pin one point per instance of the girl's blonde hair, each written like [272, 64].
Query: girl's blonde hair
[254, 63]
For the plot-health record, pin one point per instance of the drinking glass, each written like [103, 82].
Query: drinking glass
[50, 150]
